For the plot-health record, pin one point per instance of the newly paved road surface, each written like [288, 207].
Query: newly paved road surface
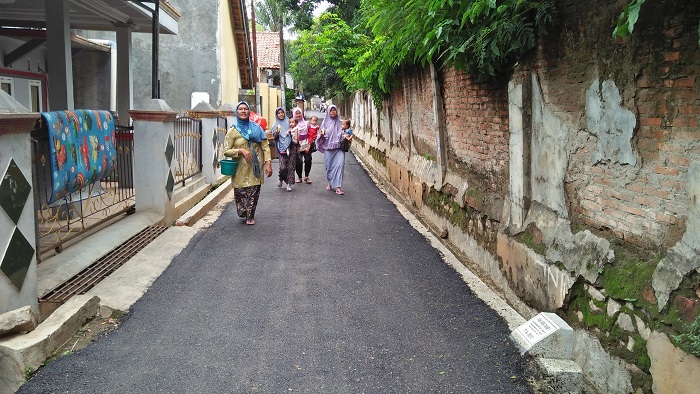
[325, 294]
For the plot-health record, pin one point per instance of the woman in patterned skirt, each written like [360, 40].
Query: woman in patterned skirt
[247, 142]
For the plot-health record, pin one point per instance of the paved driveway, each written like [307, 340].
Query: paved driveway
[325, 294]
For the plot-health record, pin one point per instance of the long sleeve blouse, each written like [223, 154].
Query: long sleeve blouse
[244, 176]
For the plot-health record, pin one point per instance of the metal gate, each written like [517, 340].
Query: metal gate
[188, 148]
[64, 221]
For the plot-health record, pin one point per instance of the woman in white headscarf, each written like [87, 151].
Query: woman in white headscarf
[247, 142]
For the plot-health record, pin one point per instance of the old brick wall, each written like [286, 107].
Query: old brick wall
[476, 118]
[656, 72]
[476, 121]
[412, 109]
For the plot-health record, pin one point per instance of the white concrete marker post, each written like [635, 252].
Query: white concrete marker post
[550, 339]
[545, 335]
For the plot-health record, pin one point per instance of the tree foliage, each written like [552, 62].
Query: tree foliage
[324, 55]
[347, 10]
[270, 13]
[628, 18]
[483, 37]
[300, 12]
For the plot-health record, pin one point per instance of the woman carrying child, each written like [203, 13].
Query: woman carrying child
[302, 127]
[333, 130]
[307, 146]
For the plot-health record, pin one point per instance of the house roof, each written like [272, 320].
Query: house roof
[93, 15]
[268, 48]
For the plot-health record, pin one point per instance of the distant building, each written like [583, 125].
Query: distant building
[42, 41]
[268, 48]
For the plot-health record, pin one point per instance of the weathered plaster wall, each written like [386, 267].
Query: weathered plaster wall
[188, 61]
[610, 123]
[626, 176]
[92, 89]
[550, 137]
[684, 257]
[409, 117]
[682, 377]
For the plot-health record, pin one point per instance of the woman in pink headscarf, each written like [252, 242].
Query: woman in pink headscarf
[304, 144]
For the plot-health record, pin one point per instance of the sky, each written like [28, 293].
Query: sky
[322, 6]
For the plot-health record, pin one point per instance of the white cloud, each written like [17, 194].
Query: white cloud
[322, 6]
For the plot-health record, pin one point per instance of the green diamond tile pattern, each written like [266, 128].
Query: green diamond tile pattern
[14, 190]
[169, 151]
[17, 259]
[169, 185]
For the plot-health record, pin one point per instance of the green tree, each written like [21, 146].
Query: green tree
[484, 37]
[628, 19]
[324, 55]
[347, 10]
[300, 12]
[269, 13]
[481, 37]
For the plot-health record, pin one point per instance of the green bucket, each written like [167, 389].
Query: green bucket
[228, 166]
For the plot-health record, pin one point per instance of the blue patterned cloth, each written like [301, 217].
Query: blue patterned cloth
[82, 149]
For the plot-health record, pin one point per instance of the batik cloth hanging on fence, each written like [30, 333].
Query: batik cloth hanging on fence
[81, 146]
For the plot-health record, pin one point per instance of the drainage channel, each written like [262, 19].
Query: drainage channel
[99, 270]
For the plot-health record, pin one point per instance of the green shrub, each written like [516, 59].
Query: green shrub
[690, 341]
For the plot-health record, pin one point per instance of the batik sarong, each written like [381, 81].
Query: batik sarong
[246, 201]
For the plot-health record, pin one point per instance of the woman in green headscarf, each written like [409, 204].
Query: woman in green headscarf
[247, 142]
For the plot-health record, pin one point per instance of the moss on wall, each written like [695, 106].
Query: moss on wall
[627, 283]
[378, 155]
[629, 276]
[532, 237]
[478, 225]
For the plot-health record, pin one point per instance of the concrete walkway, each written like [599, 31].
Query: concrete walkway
[325, 294]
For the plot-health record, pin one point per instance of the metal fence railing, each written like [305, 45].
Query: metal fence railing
[66, 220]
[188, 148]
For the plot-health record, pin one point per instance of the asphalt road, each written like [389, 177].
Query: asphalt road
[325, 294]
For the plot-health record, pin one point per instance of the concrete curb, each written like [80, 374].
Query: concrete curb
[200, 209]
[24, 353]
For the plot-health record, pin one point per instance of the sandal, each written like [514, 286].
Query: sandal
[307, 180]
[250, 221]
[298, 180]
[339, 192]
[328, 187]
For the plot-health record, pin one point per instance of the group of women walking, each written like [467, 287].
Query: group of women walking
[295, 141]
